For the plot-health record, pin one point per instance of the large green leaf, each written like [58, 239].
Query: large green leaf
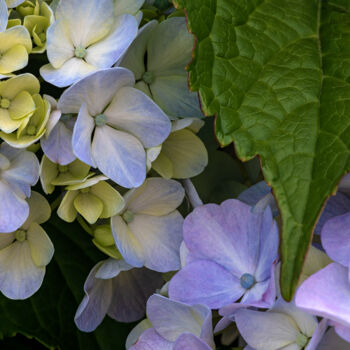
[276, 74]
[48, 315]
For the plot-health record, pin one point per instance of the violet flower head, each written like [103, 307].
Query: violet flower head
[116, 289]
[231, 255]
[176, 326]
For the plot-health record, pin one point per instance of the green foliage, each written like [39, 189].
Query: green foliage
[48, 316]
[276, 74]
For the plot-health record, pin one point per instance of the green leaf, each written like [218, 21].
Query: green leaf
[48, 315]
[276, 73]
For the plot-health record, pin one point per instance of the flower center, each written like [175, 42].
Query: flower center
[100, 120]
[302, 340]
[148, 77]
[247, 280]
[128, 216]
[31, 130]
[20, 235]
[5, 103]
[62, 168]
[80, 52]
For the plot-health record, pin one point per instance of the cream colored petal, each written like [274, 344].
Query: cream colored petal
[14, 59]
[24, 82]
[163, 166]
[89, 206]
[41, 247]
[48, 172]
[17, 35]
[22, 106]
[39, 209]
[66, 211]
[186, 152]
[8, 125]
[112, 201]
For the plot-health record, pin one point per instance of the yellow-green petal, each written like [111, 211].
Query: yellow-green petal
[89, 206]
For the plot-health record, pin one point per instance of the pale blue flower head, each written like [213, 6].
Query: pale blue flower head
[168, 47]
[25, 252]
[115, 122]
[232, 252]
[148, 230]
[116, 289]
[86, 36]
[57, 141]
[19, 170]
[176, 326]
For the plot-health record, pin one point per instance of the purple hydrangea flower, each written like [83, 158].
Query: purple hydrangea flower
[231, 254]
[116, 289]
[176, 326]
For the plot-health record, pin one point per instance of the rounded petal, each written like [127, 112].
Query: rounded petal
[134, 59]
[230, 235]
[160, 238]
[39, 209]
[131, 289]
[127, 6]
[150, 339]
[172, 94]
[136, 332]
[134, 112]
[13, 209]
[59, 44]
[111, 48]
[190, 342]
[327, 294]
[97, 299]
[266, 330]
[128, 168]
[335, 236]
[58, 145]
[70, 72]
[40, 245]
[186, 152]
[20, 278]
[194, 284]
[82, 134]
[89, 206]
[66, 210]
[14, 59]
[96, 90]
[87, 23]
[17, 35]
[112, 201]
[156, 196]
[171, 318]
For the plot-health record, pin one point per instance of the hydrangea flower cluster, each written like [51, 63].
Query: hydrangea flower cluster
[116, 147]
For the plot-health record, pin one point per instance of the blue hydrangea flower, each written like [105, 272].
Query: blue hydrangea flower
[57, 141]
[115, 121]
[162, 75]
[176, 326]
[25, 253]
[148, 229]
[232, 251]
[116, 289]
[19, 170]
[86, 36]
